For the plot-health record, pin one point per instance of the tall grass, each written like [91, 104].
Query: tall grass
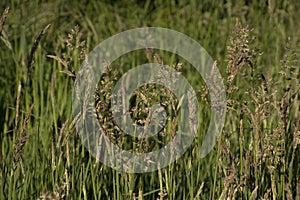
[255, 44]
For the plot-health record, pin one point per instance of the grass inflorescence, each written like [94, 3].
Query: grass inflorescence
[255, 45]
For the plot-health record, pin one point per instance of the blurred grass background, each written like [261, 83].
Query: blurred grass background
[36, 163]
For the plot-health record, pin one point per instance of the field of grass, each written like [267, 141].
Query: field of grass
[256, 46]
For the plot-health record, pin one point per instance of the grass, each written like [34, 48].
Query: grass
[255, 44]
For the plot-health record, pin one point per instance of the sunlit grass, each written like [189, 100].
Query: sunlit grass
[256, 156]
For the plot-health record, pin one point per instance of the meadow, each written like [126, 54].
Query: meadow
[256, 48]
